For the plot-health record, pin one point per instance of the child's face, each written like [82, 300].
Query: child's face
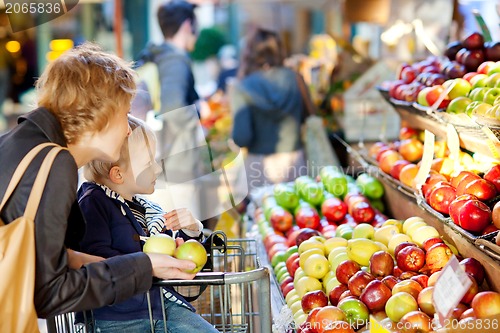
[140, 177]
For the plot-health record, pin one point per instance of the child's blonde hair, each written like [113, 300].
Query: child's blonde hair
[84, 88]
[140, 133]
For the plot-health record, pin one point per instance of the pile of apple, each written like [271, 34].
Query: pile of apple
[473, 51]
[464, 198]
[334, 284]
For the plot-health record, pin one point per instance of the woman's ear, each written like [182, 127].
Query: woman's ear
[115, 175]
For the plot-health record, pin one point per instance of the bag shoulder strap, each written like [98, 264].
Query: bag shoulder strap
[21, 169]
[306, 98]
[39, 184]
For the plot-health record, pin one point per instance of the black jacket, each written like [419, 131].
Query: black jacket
[58, 223]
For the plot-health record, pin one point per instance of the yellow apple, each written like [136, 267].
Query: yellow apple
[363, 230]
[332, 283]
[296, 306]
[335, 261]
[291, 294]
[395, 222]
[316, 266]
[396, 240]
[360, 250]
[311, 244]
[305, 255]
[409, 222]
[385, 233]
[411, 230]
[306, 284]
[298, 274]
[300, 319]
[424, 233]
[160, 243]
[381, 246]
[337, 250]
[334, 242]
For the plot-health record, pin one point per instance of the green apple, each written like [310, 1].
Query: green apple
[477, 94]
[193, 251]
[461, 88]
[493, 80]
[400, 304]
[479, 81]
[470, 108]
[363, 230]
[285, 196]
[160, 243]
[313, 193]
[422, 96]
[334, 182]
[357, 312]
[491, 95]
[481, 108]
[495, 68]
[458, 105]
[277, 258]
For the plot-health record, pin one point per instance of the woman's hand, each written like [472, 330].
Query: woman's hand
[77, 259]
[168, 268]
[182, 219]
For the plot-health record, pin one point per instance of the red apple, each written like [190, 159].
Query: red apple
[334, 209]
[431, 241]
[375, 149]
[387, 160]
[490, 228]
[471, 292]
[474, 216]
[473, 41]
[493, 175]
[411, 149]
[375, 295]
[285, 281]
[397, 272]
[401, 246]
[307, 217]
[409, 286]
[416, 322]
[336, 292]
[381, 264]
[424, 301]
[313, 299]
[406, 132]
[468, 314]
[358, 282]
[422, 279]
[409, 274]
[485, 67]
[390, 281]
[281, 219]
[287, 288]
[441, 197]
[305, 234]
[482, 189]
[456, 204]
[411, 258]
[437, 257]
[325, 317]
[292, 236]
[430, 182]
[473, 267]
[486, 304]
[396, 168]
[292, 263]
[347, 294]
[362, 212]
[345, 270]
[457, 312]
[465, 181]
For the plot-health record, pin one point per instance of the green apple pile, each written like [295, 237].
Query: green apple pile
[388, 271]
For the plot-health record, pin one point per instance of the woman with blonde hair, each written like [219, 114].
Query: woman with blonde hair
[83, 102]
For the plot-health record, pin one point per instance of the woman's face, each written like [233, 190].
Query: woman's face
[108, 142]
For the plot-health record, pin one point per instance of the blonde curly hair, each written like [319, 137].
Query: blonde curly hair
[84, 88]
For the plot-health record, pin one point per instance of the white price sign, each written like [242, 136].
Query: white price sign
[450, 288]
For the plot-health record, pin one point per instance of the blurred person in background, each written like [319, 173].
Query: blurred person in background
[228, 60]
[268, 111]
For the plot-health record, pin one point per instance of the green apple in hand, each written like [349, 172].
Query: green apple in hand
[193, 251]
[160, 243]
[458, 105]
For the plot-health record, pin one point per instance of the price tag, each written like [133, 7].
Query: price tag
[492, 142]
[453, 143]
[377, 327]
[450, 288]
[426, 163]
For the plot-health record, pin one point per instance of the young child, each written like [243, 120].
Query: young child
[116, 217]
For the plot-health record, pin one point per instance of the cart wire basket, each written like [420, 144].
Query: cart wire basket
[234, 296]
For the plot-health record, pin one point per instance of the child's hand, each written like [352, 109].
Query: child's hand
[182, 219]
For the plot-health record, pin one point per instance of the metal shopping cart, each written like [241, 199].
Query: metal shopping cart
[236, 299]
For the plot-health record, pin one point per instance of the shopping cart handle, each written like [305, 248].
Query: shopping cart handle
[202, 278]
